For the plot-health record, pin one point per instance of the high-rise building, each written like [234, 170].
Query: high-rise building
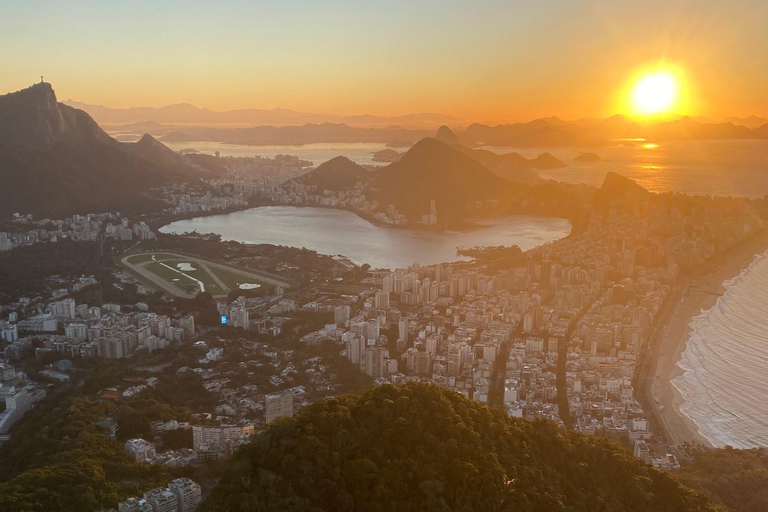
[19, 399]
[372, 329]
[239, 317]
[187, 493]
[216, 436]
[134, 505]
[455, 360]
[431, 345]
[402, 331]
[552, 345]
[534, 345]
[7, 372]
[10, 333]
[278, 405]
[76, 331]
[528, 321]
[381, 299]
[352, 346]
[160, 325]
[388, 283]
[341, 314]
[140, 449]
[375, 361]
[423, 363]
[187, 323]
[642, 450]
[111, 348]
[357, 326]
[64, 309]
[162, 500]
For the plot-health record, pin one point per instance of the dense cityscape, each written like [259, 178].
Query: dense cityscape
[346, 257]
[560, 332]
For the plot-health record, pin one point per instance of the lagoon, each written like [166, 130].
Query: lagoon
[339, 232]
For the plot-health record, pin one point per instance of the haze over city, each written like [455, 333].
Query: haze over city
[384, 256]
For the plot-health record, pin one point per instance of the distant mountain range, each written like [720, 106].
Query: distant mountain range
[510, 166]
[294, 135]
[56, 161]
[188, 123]
[749, 122]
[545, 132]
[186, 114]
[554, 132]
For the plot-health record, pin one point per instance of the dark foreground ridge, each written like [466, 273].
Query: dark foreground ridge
[422, 448]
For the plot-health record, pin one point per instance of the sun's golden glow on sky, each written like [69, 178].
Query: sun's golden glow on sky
[658, 90]
[491, 61]
[654, 94]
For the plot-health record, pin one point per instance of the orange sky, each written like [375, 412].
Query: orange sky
[512, 60]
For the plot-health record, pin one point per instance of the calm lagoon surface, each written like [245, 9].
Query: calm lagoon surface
[339, 232]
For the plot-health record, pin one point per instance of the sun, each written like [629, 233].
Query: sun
[655, 93]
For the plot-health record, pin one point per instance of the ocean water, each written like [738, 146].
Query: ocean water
[703, 167]
[725, 363]
[339, 232]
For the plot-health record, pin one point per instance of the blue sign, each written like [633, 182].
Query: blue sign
[223, 319]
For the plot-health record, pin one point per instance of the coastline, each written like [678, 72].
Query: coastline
[698, 293]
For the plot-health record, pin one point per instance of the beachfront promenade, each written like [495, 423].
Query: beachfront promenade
[694, 294]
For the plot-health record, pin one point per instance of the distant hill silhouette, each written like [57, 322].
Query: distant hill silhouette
[621, 193]
[56, 161]
[588, 157]
[294, 135]
[554, 132]
[686, 128]
[544, 132]
[432, 169]
[445, 134]
[547, 161]
[184, 113]
[749, 122]
[156, 152]
[387, 155]
[514, 166]
[336, 174]
[455, 177]
[399, 143]
[538, 133]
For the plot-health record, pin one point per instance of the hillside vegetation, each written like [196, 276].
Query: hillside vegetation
[736, 479]
[421, 448]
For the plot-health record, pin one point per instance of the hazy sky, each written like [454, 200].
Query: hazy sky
[484, 60]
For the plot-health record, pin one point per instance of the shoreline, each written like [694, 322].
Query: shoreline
[699, 292]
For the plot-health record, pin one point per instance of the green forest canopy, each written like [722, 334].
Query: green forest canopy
[421, 448]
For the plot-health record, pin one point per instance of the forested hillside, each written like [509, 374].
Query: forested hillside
[421, 448]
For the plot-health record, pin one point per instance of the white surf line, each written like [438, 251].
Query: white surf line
[199, 283]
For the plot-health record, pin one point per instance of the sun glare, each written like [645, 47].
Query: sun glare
[655, 94]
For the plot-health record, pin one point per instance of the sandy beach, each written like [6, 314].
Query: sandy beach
[696, 294]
